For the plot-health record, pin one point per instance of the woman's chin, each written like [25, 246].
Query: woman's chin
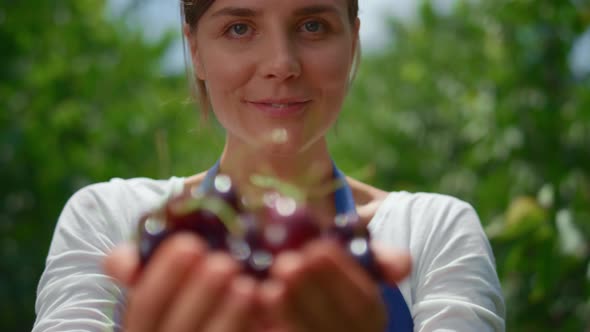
[280, 142]
[284, 149]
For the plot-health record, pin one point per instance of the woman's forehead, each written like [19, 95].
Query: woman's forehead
[296, 6]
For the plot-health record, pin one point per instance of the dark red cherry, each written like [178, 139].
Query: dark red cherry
[259, 259]
[255, 260]
[251, 230]
[346, 227]
[259, 263]
[183, 214]
[207, 225]
[224, 188]
[288, 226]
[152, 232]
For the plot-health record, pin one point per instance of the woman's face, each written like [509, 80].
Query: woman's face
[276, 71]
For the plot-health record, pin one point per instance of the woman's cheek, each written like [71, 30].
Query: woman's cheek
[225, 81]
[329, 68]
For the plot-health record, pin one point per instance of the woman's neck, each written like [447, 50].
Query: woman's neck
[309, 171]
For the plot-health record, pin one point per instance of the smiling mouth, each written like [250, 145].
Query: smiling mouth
[281, 109]
[280, 106]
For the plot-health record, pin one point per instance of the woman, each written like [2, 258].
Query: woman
[275, 73]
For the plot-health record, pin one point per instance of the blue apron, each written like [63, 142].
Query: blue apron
[399, 318]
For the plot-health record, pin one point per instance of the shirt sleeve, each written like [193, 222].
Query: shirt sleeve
[73, 293]
[455, 284]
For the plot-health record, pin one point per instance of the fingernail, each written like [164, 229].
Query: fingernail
[190, 241]
[123, 257]
[397, 263]
[221, 264]
[288, 263]
[272, 290]
[127, 248]
[243, 286]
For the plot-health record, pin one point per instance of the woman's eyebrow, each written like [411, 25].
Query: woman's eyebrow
[316, 9]
[249, 12]
[236, 11]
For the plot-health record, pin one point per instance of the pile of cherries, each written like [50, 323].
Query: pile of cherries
[252, 236]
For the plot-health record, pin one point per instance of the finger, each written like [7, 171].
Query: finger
[306, 297]
[314, 302]
[395, 265]
[347, 290]
[160, 281]
[278, 316]
[202, 294]
[352, 295]
[122, 264]
[235, 312]
[343, 271]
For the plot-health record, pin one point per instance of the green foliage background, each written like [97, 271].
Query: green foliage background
[479, 103]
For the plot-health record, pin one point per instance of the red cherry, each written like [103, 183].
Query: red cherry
[288, 226]
[183, 214]
[152, 232]
[258, 263]
[346, 227]
[255, 260]
[281, 225]
[224, 188]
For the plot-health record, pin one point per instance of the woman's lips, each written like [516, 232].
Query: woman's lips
[281, 109]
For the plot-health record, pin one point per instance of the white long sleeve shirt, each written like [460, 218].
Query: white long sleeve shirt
[453, 285]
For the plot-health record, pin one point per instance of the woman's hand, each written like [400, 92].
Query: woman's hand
[183, 288]
[322, 288]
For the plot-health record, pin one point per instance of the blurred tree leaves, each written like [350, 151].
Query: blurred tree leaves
[82, 100]
[479, 103]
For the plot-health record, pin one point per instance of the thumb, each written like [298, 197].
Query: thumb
[123, 264]
[394, 264]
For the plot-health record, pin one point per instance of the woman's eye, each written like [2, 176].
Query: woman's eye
[239, 29]
[313, 26]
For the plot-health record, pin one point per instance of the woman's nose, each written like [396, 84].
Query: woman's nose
[281, 61]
